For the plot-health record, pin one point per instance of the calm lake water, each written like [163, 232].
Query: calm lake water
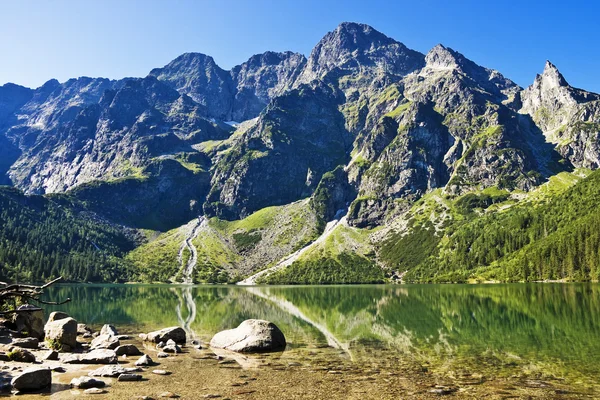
[550, 329]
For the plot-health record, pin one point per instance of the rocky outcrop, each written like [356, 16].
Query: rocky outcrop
[568, 117]
[144, 361]
[250, 336]
[281, 158]
[262, 78]
[198, 76]
[26, 343]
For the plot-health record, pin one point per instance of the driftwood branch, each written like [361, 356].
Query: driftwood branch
[25, 292]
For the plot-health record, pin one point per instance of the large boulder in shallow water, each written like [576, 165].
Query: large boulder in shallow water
[253, 335]
[174, 333]
[32, 379]
[62, 332]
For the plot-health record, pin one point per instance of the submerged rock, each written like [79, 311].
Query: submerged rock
[32, 379]
[250, 336]
[94, 391]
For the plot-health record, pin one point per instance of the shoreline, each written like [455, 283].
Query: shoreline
[302, 372]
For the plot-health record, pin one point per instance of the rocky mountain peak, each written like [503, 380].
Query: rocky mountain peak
[551, 77]
[551, 101]
[441, 58]
[199, 76]
[356, 48]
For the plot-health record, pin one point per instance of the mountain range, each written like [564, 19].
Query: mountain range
[364, 162]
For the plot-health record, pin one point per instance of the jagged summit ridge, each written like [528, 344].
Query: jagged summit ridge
[360, 49]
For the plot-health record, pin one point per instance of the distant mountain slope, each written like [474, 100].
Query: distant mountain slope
[364, 126]
[44, 238]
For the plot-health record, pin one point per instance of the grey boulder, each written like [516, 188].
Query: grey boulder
[129, 377]
[57, 315]
[144, 361]
[85, 382]
[252, 335]
[128, 350]
[62, 331]
[98, 356]
[109, 330]
[32, 379]
[26, 343]
[105, 341]
[31, 319]
[174, 333]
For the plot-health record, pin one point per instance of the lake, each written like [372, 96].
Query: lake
[548, 332]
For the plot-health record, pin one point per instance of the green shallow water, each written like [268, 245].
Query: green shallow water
[542, 330]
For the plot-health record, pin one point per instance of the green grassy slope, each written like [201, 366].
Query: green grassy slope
[550, 234]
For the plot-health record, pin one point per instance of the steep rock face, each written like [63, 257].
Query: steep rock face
[125, 145]
[236, 95]
[567, 116]
[551, 101]
[12, 97]
[359, 48]
[198, 76]
[445, 125]
[442, 58]
[260, 79]
[281, 158]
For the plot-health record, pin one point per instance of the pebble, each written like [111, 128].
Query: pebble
[169, 395]
[94, 391]
[162, 355]
[161, 372]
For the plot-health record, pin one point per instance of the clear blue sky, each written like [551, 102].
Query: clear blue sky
[61, 39]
